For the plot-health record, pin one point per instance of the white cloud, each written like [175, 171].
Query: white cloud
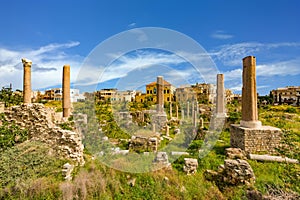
[232, 55]
[285, 68]
[221, 35]
[46, 68]
[132, 25]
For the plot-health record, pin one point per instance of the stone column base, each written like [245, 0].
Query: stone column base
[250, 124]
[254, 140]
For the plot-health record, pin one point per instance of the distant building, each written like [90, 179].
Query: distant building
[56, 95]
[151, 89]
[203, 92]
[106, 94]
[124, 96]
[288, 95]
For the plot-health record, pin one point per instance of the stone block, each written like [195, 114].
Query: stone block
[255, 140]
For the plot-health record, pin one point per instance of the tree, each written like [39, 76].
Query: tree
[9, 97]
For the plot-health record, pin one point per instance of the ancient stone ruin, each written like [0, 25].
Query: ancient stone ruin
[233, 171]
[140, 144]
[250, 135]
[38, 120]
[190, 165]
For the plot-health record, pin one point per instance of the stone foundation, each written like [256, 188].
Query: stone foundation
[141, 144]
[255, 140]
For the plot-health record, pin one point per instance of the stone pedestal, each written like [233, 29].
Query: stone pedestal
[255, 140]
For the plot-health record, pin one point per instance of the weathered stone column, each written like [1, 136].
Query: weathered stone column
[201, 123]
[193, 109]
[27, 81]
[177, 111]
[188, 110]
[66, 91]
[182, 114]
[153, 128]
[170, 110]
[167, 131]
[220, 107]
[160, 94]
[195, 118]
[249, 95]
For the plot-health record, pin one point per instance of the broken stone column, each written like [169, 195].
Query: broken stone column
[167, 130]
[153, 128]
[27, 81]
[170, 110]
[160, 94]
[195, 118]
[66, 91]
[220, 107]
[188, 110]
[249, 95]
[193, 109]
[201, 123]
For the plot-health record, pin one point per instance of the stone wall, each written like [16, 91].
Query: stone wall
[141, 144]
[264, 139]
[38, 120]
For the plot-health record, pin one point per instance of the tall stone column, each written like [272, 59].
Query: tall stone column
[66, 91]
[220, 107]
[177, 111]
[249, 95]
[160, 94]
[27, 81]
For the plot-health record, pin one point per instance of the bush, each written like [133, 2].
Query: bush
[10, 134]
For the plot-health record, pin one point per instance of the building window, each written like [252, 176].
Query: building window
[168, 98]
[164, 91]
[168, 91]
[147, 91]
[150, 91]
[154, 90]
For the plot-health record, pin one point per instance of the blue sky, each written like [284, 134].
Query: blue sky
[53, 33]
